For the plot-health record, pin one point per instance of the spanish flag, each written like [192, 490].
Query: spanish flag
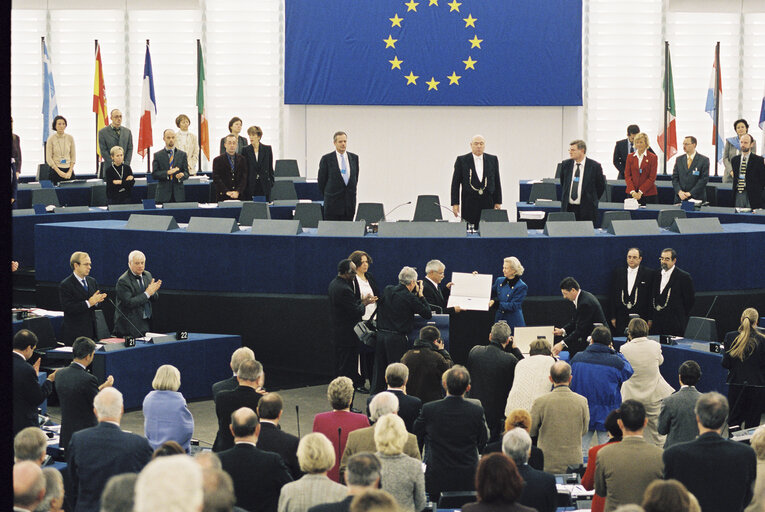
[99, 96]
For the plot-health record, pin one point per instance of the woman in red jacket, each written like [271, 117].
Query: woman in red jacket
[640, 172]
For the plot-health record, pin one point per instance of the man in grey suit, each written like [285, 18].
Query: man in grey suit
[115, 135]
[136, 289]
[170, 169]
[677, 419]
[691, 173]
[239, 356]
[338, 178]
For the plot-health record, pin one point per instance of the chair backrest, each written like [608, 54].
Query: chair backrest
[370, 212]
[283, 190]
[614, 215]
[455, 499]
[286, 168]
[543, 191]
[43, 171]
[43, 329]
[560, 216]
[309, 214]
[427, 209]
[151, 189]
[492, 215]
[667, 217]
[98, 195]
[701, 328]
[251, 211]
[45, 196]
[102, 328]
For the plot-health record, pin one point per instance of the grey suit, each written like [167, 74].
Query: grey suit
[677, 419]
[169, 188]
[624, 470]
[108, 138]
[693, 180]
[134, 304]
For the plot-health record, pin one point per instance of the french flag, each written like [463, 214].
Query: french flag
[148, 107]
[714, 106]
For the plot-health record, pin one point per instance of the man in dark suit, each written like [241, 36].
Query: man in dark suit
[677, 419]
[338, 179]
[719, 472]
[623, 148]
[260, 165]
[230, 172]
[170, 169]
[258, 475]
[672, 297]
[96, 454]
[250, 377]
[539, 492]
[492, 368]
[396, 377]
[79, 296]
[272, 438]
[361, 474]
[76, 389]
[454, 430]
[630, 292]
[115, 135]
[437, 295]
[749, 175]
[239, 356]
[136, 290]
[582, 183]
[28, 394]
[691, 173]
[478, 175]
[587, 313]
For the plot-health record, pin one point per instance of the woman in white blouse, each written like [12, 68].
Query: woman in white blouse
[365, 285]
[187, 142]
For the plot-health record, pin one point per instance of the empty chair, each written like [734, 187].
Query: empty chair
[427, 209]
[286, 168]
[251, 211]
[370, 212]
[492, 215]
[614, 215]
[667, 217]
[283, 191]
[98, 195]
[43, 329]
[45, 196]
[309, 214]
[151, 189]
[543, 191]
[701, 328]
[42, 172]
[561, 216]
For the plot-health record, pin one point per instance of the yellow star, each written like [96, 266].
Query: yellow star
[470, 63]
[390, 42]
[475, 42]
[395, 63]
[454, 79]
[470, 21]
[411, 78]
[455, 6]
[412, 6]
[433, 2]
[396, 21]
[432, 84]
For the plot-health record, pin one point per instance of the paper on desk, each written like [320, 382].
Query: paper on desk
[470, 291]
[46, 312]
[531, 214]
[62, 349]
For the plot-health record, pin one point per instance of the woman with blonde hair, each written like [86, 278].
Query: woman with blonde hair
[166, 416]
[640, 172]
[508, 293]
[401, 475]
[744, 358]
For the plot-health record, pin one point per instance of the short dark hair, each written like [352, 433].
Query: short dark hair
[633, 129]
[232, 121]
[712, 410]
[55, 120]
[457, 380]
[497, 479]
[245, 427]
[560, 372]
[168, 448]
[430, 334]
[638, 328]
[638, 249]
[690, 372]
[363, 469]
[601, 335]
[569, 283]
[693, 139]
[632, 414]
[23, 339]
[181, 118]
[670, 250]
[270, 405]
[661, 495]
[83, 347]
[355, 257]
[612, 426]
[737, 121]
[344, 266]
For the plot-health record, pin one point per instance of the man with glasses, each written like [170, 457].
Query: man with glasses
[672, 298]
[79, 296]
[114, 135]
[691, 173]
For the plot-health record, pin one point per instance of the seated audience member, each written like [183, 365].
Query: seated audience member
[258, 475]
[454, 432]
[54, 491]
[136, 291]
[667, 496]
[539, 492]
[30, 444]
[397, 377]
[532, 377]
[598, 373]
[427, 361]
[745, 360]
[118, 495]
[80, 297]
[208, 460]
[169, 484]
[588, 479]
[95, 454]
[166, 449]
[374, 500]
[119, 178]
[401, 474]
[758, 445]
[272, 438]
[316, 456]
[362, 473]
[166, 415]
[340, 421]
[520, 418]
[218, 491]
[239, 356]
[28, 486]
[560, 419]
[677, 419]
[719, 472]
[498, 486]
[624, 470]
[28, 394]
[250, 377]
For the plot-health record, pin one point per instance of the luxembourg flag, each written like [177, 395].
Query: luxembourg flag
[148, 107]
[714, 102]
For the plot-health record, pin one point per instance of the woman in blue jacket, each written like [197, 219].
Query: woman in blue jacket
[166, 416]
[508, 293]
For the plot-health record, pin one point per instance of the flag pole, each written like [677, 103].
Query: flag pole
[42, 52]
[666, 101]
[95, 55]
[199, 114]
[717, 104]
[148, 151]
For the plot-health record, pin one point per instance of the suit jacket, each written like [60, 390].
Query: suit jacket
[619, 298]
[437, 297]
[95, 455]
[593, 186]
[644, 181]
[509, 299]
[273, 439]
[339, 198]
[621, 152]
[465, 176]
[672, 306]
[229, 384]
[118, 194]
[677, 418]
[363, 440]
[345, 310]
[755, 178]
[340, 506]
[27, 393]
[624, 470]
[729, 151]
[693, 180]
[76, 389]
[491, 370]
[646, 384]
[588, 479]
[260, 171]
[167, 418]
[132, 301]
[258, 476]
[107, 139]
[227, 403]
[409, 407]
[309, 491]
[337, 426]
[426, 366]
[227, 181]
[79, 319]
[560, 418]
[169, 188]
[539, 492]
[455, 432]
[719, 472]
[588, 312]
[396, 309]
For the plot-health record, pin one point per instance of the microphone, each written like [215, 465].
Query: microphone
[385, 215]
[297, 416]
[447, 209]
[339, 444]
[140, 334]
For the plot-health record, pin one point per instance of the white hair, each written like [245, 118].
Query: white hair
[476, 137]
[383, 403]
[108, 403]
[515, 264]
[407, 276]
[516, 444]
[135, 254]
[170, 484]
[434, 266]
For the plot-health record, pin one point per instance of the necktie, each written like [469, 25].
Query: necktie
[231, 163]
[147, 305]
[632, 148]
[575, 184]
[690, 161]
[84, 284]
[172, 156]
[742, 177]
[344, 169]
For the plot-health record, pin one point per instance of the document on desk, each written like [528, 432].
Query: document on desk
[470, 291]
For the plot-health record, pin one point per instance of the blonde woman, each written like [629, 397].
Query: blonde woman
[640, 172]
[166, 416]
[508, 293]
[745, 360]
[401, 474]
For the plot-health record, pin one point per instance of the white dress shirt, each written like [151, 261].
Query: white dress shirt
[478, 162]
[665, 275]
[578, 199]
[631, 277]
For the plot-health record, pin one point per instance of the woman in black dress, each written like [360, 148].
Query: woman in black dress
[119, 178]
[744, 358]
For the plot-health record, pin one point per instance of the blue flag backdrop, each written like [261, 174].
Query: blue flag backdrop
[433, 52]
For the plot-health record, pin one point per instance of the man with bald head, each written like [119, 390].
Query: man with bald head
[115, 135]
[170, 168]
[478, 175]
[136, 290]
[748, 175]
[28, 486]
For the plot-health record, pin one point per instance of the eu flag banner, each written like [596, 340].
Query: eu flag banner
[433, 52]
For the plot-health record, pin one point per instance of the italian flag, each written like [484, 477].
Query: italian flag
[669, 114]
[204, 137]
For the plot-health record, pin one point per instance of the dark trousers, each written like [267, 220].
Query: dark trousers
[575, 209]
[644, 200]
[346, 362]
[345, 216]
[391, 347]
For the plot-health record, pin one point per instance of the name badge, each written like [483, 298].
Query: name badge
[695, 172]
[576, 180]
[63, 160]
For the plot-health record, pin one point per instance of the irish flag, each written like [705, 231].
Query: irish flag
[204, 136]
[99, 96]
[669, 114]
[148, 107]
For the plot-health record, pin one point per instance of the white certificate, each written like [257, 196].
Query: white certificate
[470, 291]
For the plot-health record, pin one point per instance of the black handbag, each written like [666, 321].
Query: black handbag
[366, 330]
